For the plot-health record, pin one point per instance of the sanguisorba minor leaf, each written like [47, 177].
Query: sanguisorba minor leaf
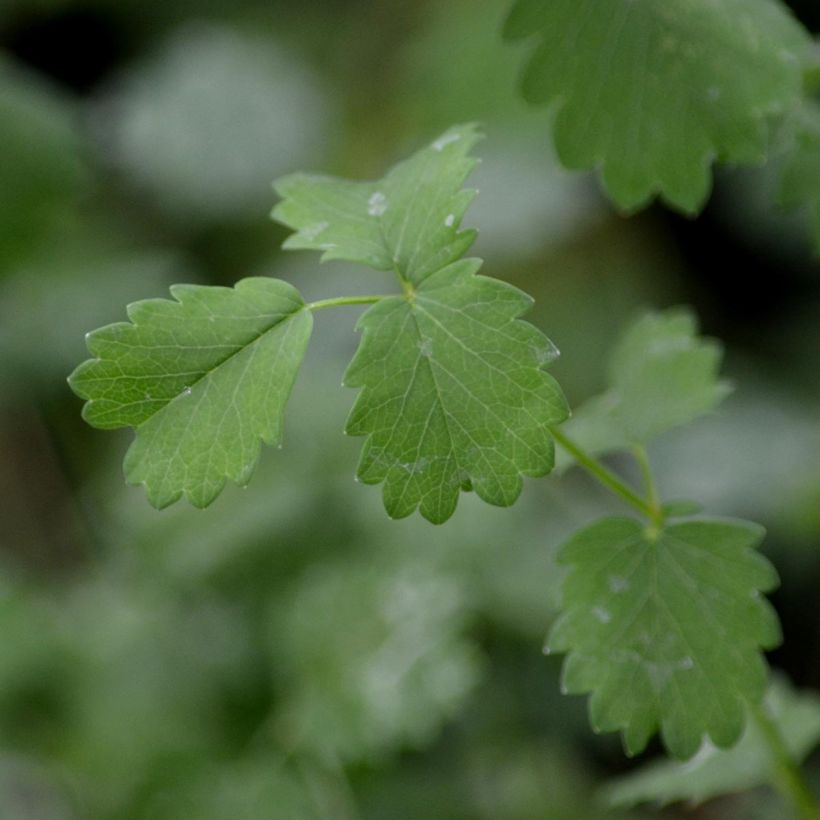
[203, 380]
[662, 374]
[652, 91]
[455, 394]
[408, 221]
[666, 629]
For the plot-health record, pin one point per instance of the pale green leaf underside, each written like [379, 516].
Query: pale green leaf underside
[409, 221]
[714, 772]
[661, 375]
[666, 634]
[454, 394]
[652, 91]
[203, 379]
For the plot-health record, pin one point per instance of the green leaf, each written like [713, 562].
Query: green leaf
[202, 379]
[662, 375]
[651, 92]
[713, 772]
[455, 395]
[409, 221]
[665, 631]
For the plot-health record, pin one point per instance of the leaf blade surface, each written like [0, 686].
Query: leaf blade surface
[203, 379]
[653, 92]
[665, 632]
[454, 394]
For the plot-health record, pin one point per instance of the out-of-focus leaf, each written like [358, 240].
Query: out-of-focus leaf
[206, 124]
[665, 629]
[652, 92]
[150, 663]
[661, 374]
[714, 772]
[371, 658]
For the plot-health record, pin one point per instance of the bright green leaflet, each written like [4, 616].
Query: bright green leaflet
[661, 375]
[454, 395]
[203, 379]
[713, 772]
[666, 632]
[652, 91]
[408, 222]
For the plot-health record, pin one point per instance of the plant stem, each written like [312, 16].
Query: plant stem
[652, 497]
[788, 778]
[340, 301]
[603, 474]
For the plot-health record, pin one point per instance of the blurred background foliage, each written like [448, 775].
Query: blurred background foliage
[290, 653]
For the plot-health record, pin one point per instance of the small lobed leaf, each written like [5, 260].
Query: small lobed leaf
[714, 772]
[409, 221]
[665, 629]
[662, 374]
[455, 395]
[203, 380]
[652, 92]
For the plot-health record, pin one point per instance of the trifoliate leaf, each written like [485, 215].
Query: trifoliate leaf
[395, 666]
[202, 379]
[409, 221]
[713, 772]
[665, 629]
[455, 395]
[651, 91]
[661, 375]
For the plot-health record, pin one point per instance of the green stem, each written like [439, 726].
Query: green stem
[340, 301]
[652, 496]
[603, 474]
[788, 778]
